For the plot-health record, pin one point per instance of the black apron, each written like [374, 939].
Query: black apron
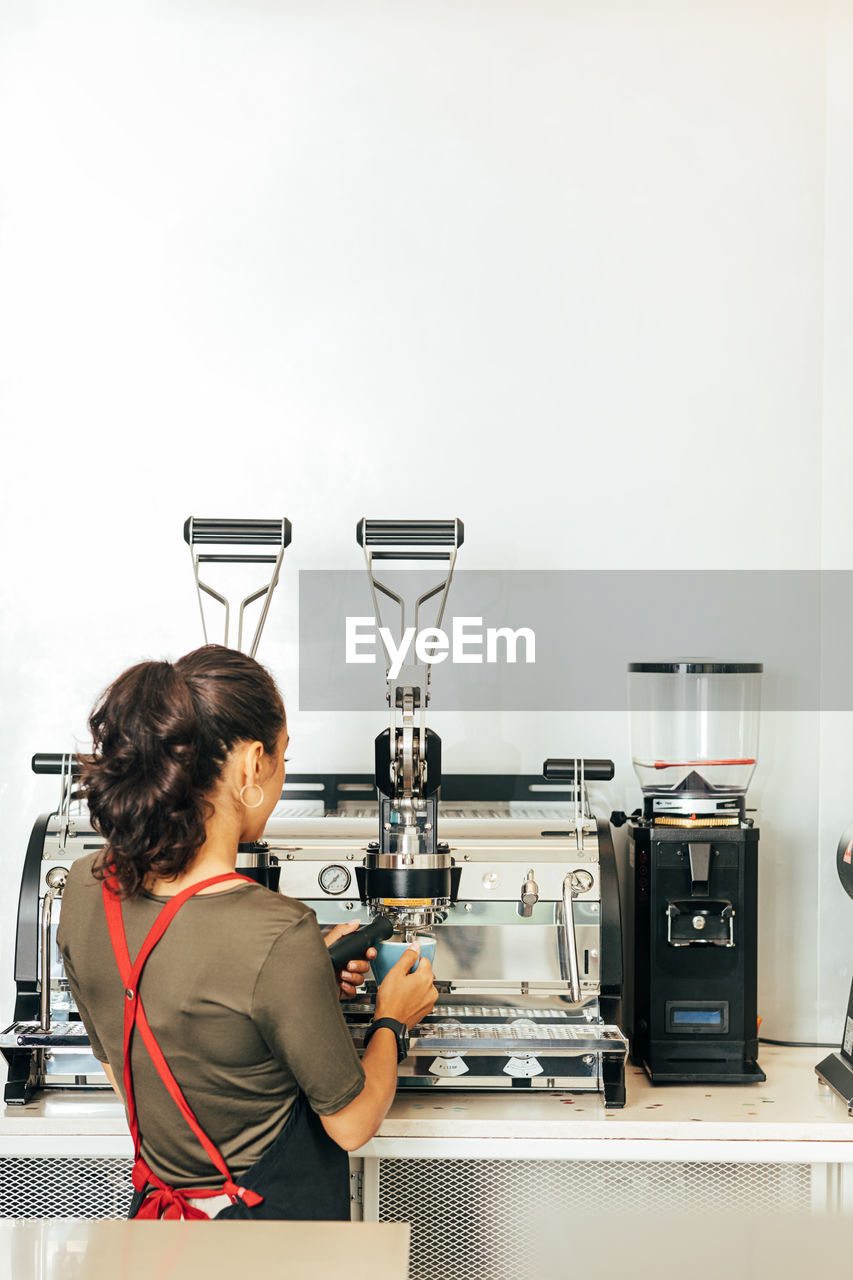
[303, 1175]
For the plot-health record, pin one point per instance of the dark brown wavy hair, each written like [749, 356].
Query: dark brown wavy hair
[161, 733]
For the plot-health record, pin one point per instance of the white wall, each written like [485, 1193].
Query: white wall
[557, 268]
[834, 954]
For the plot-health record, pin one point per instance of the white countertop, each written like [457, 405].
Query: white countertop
[792, 1110]
[791, 1104]
[653, 1248]
[56, 1249]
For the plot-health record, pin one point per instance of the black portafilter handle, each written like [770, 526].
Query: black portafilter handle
[355, 945]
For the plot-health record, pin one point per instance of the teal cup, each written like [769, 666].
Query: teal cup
[389, 952]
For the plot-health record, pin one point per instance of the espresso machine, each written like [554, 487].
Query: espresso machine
[693, 857]
[511, 876]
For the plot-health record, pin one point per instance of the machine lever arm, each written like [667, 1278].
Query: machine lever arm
[204, 532]
[571, 940]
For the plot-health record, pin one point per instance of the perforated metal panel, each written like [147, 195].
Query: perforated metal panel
[64, 1188]
[506, 1219]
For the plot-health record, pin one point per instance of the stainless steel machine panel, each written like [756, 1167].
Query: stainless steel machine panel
[500, 971]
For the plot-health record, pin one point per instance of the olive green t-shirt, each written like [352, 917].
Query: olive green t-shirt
[242, 999]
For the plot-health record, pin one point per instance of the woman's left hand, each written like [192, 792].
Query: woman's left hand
[352, 977]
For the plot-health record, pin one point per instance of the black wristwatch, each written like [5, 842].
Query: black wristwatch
[401, 1031]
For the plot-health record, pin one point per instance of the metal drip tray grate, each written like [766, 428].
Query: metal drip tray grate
[60, 1034]
[499, 1037]
[495, 1011]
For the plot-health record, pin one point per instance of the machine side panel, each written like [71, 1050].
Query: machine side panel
[26, 940]
[639, 847]
[611, 914]
[611, 977]
[750, 994]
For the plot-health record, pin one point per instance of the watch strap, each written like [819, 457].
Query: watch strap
[401, 1031]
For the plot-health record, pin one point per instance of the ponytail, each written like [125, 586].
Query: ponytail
[161, 734]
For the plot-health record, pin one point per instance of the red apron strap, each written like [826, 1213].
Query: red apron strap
[118, 938]
[134, 1015]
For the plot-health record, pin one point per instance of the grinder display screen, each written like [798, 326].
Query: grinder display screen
[705, 1017]
[697, 1015]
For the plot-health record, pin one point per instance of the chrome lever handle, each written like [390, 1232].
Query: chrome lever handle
[571, 940]
[56, 878]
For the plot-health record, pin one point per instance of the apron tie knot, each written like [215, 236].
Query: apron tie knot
[163, 1201]
[249, 1197]
[167, 1202]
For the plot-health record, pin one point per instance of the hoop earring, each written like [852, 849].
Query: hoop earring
[260, 799]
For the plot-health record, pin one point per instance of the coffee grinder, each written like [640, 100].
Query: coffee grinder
[694, 871]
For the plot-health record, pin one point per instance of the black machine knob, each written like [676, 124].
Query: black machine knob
[44, 762]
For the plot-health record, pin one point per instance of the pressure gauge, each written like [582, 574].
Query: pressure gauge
[334, 878]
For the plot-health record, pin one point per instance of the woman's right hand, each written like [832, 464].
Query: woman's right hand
[406, 996]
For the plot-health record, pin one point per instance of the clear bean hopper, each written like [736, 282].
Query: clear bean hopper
[694, 735]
